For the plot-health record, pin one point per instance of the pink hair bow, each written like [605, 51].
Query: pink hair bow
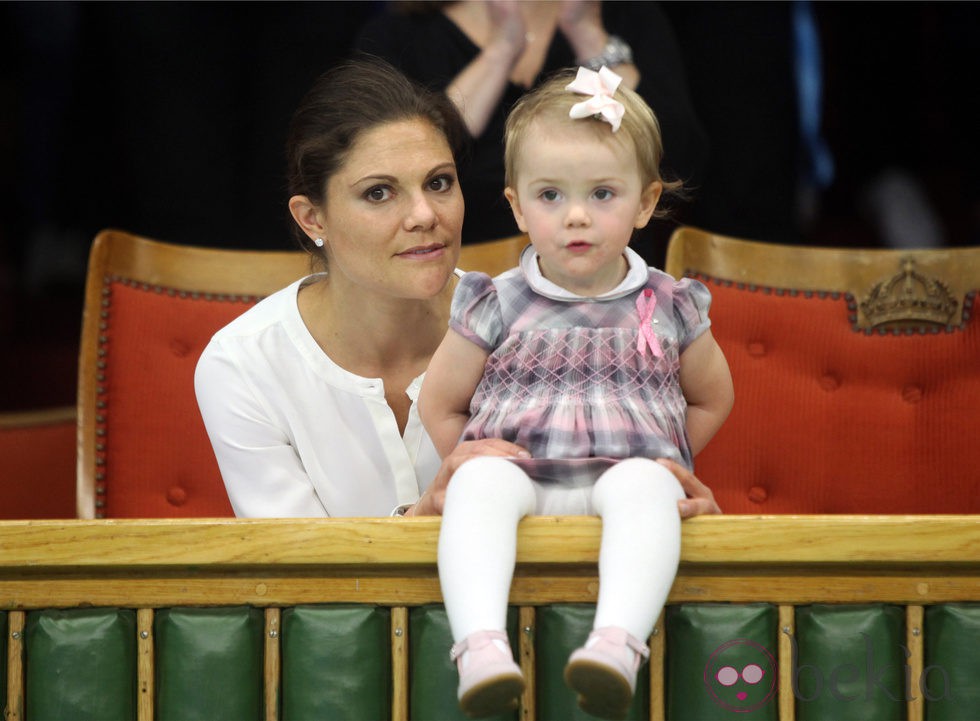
[601, 86]
[646, 303]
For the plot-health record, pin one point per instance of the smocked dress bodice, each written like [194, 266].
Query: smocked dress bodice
[581, 382]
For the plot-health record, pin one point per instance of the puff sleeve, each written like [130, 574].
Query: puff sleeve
[692, 299]
[475, 312]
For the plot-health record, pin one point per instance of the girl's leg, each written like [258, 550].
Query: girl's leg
[641, 543]
[485, 500]
[641, 537]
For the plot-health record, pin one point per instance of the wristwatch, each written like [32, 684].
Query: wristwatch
[616, 52]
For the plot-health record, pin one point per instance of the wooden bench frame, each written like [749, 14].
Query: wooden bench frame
[785, 560]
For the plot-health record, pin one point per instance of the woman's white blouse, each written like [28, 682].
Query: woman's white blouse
[295, 434]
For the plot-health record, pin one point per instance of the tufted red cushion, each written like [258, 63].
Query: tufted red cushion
[826, 420]
[829, 419]
[155, 459]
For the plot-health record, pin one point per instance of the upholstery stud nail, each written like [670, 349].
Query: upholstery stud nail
[756, 349]
[912, 393]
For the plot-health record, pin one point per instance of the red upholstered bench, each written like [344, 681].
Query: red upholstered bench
[150, 308]
[839, 409]
[37, 464]
[857, 376]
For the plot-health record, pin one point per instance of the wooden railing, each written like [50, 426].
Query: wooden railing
[912, 561]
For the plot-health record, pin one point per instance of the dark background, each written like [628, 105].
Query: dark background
[169, 119]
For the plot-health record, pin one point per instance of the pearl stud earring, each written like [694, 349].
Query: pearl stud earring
[318, 242]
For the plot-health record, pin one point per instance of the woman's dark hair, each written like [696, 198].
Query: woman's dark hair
[347, 100]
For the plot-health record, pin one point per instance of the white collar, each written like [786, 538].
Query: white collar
[636, 277]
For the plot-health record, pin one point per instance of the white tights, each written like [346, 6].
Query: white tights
[641, 539]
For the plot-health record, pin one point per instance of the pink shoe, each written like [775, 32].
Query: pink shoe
[603, 672]
[489, 680]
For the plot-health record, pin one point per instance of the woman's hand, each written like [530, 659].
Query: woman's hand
[434, 498]
[699, 499]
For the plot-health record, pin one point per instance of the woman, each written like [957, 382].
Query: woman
[309, 398]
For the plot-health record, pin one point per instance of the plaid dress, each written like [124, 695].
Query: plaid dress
[568, 379]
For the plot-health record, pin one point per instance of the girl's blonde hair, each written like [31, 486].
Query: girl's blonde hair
[551, 101]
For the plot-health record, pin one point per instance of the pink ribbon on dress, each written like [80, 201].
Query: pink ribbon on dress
[646, 303]
[601, 86]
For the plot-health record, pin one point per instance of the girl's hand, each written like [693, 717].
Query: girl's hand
[432, 501]
[699, 499]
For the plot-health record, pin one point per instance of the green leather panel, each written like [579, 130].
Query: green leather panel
[560, 629]
[950, 681]
[3, 659]
[209, 664]
[432, 677]
[721, 662]
[80, 664]
[336, 663]
[849, 663]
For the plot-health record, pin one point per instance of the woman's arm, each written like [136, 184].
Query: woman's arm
[262, 472]
[580, 21]
[707, 386]
[477, 89]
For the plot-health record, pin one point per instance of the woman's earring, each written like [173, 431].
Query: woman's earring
[318, 242]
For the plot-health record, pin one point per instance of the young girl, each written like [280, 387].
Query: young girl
[594, 363]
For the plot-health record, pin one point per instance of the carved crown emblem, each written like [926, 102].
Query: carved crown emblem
[909, 298]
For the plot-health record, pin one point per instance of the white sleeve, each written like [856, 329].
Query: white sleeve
[261, 469]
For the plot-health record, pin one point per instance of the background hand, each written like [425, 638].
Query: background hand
[700, 498]
[507, 25]
[574, 12]
[580, 21]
